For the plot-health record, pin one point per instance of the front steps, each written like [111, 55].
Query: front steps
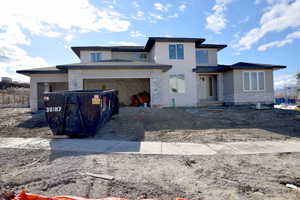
[206, 103]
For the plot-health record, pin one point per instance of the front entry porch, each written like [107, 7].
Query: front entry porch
[209, 90]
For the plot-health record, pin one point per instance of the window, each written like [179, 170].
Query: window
[177, 83]
[96, 57]
[202, 57]
[176, 51]
[254, 81]
[142, 56]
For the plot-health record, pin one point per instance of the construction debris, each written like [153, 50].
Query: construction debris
[102, 176]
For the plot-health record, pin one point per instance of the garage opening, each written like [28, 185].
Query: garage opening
[132, 91]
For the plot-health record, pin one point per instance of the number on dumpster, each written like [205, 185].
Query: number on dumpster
[53, 109]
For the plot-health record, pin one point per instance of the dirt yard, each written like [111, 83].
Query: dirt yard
[235, 177]
[153, 176]
[198, 125]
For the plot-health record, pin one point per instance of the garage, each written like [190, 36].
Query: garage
[127, 87]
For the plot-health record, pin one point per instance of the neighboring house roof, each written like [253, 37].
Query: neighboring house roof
[120, 64]
[239, 65]
[43, 70]
[108, 48]
[213, 46]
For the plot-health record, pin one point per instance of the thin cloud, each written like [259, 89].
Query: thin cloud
[162, 7]
[123, 43]
[280, 43]
[284, 80]
[217, 21]
[279, 16]
[24, 19]
[136, 34]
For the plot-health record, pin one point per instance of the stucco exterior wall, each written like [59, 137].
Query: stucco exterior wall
[212, 57]
[86, 58]
[42, 78]
[185, 66]
[234, 92]
[241, 96]
[228, 91]
[76, 78]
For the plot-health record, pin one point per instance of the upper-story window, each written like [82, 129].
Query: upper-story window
[141, 56]
[96, 57]
[176, 51]
[201, 57]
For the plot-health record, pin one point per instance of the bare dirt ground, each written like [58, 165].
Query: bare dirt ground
[198, 125]
[237, 177]
[19, 122]
[151, 176]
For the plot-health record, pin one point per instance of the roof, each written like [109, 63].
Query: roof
[209, 69]
[151, 41]
[108, 48]
[116, 65]
[213, 46]
[239, 65]
[42, 70]
[246, 65]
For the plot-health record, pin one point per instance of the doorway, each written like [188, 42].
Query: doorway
[207, 87]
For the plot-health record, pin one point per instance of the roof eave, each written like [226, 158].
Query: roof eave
[29, 72]
[115, 67]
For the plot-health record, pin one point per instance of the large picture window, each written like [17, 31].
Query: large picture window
[96, 57]
[201, 57]
[176, 51]
[254, 81]
[177, 84]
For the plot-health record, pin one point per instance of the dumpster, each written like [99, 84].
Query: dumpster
[79, 113]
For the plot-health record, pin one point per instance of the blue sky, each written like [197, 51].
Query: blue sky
[37, 33]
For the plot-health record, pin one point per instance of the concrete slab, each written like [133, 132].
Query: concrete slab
[137, 147]
[109, 146]
[223, 148]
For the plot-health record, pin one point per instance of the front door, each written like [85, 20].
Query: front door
[202, 87]
[207, 87]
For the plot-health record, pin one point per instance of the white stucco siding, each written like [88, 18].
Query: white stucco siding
[76, 78]
[185, 66]
[85, 56]
[240, 96]
[42, 78]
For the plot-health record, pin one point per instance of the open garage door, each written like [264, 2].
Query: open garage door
[127, 87]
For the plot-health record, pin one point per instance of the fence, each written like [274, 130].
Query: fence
[14, 97]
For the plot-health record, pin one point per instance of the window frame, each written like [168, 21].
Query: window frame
[176, 76]
[96, 53]
[176, 52]
[207, 56]
[257, 79]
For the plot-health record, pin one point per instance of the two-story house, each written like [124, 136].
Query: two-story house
[175, 71]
